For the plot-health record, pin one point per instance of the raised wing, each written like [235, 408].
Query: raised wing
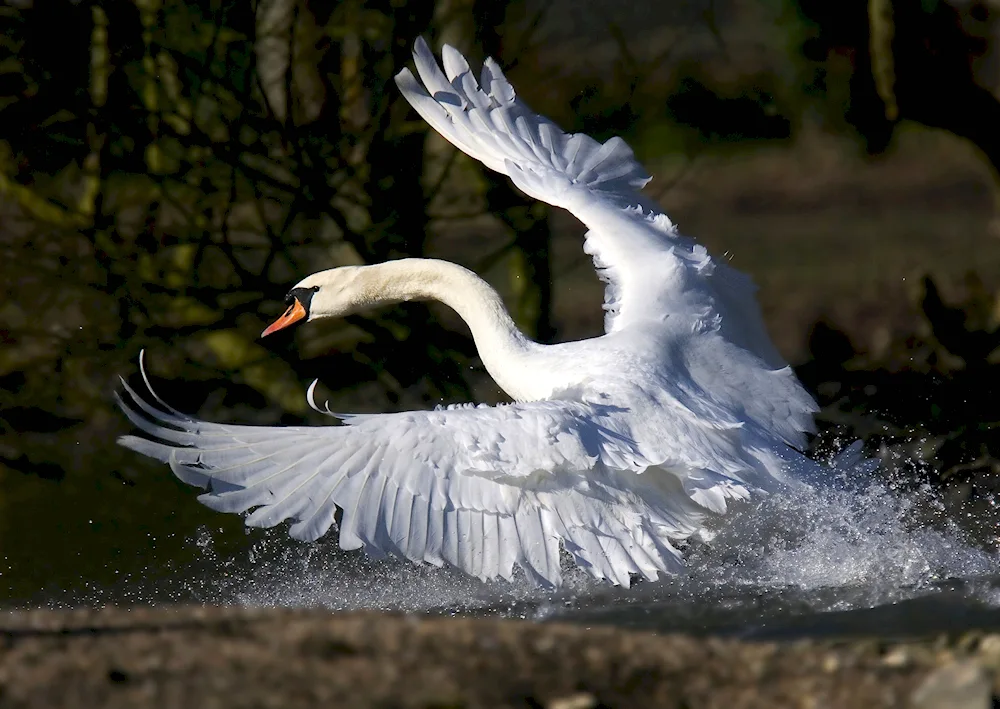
[478, 488]
[650, 270]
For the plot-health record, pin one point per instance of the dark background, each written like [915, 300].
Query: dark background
[169, 168]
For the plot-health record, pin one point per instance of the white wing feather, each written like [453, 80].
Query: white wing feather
[481, 489]
[650, 270]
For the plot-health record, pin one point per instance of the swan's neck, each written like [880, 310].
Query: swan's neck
[505, 350]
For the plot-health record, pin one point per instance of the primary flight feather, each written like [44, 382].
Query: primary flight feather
[616, 447]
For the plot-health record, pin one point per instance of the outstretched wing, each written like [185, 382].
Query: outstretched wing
[650, 270]
[479, 488]
[653, 274]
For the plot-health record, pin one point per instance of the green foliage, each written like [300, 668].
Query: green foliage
[191, 196]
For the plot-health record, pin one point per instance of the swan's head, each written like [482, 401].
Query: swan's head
[326, 294]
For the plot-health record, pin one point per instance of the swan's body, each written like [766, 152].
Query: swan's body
[616, 446]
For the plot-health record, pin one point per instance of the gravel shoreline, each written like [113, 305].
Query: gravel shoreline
[215, 657]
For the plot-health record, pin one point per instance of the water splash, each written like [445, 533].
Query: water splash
[869, 536]
[850, 545]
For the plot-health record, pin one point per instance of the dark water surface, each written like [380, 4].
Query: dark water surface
[847, 561]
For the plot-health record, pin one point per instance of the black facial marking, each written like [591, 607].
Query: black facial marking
[303, 295]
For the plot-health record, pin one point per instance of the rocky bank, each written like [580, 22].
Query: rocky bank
[217, 657]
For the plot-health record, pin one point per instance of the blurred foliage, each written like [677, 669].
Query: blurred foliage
[749, 116]
[874, 63]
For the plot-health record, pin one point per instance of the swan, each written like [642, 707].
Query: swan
[613, 450]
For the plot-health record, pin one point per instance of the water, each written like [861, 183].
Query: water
[855, 558]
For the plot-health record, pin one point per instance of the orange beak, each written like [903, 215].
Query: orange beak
[294, 313]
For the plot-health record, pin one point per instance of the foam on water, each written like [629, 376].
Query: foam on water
[863, 535]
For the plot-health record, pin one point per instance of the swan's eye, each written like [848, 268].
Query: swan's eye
[304, 295]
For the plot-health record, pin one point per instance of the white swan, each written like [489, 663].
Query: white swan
[616, 446]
